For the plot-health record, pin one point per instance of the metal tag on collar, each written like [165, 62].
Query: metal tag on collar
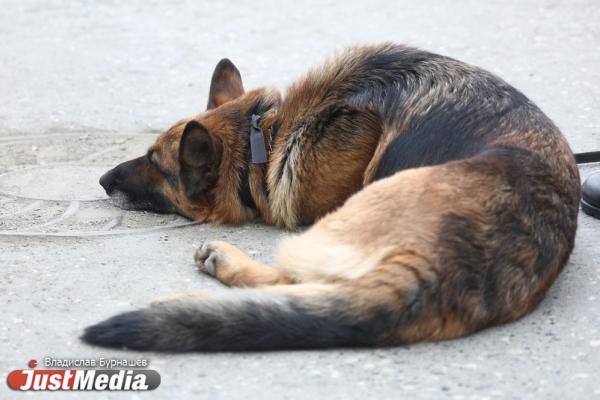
[258, 150]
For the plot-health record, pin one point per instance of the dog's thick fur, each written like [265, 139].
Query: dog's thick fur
[465, 214]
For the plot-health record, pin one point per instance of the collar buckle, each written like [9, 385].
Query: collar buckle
[258, 150]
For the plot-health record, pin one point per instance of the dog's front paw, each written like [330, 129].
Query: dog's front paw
[206, 258]
[216, 256]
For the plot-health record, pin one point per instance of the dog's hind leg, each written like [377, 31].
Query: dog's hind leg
[233, 267]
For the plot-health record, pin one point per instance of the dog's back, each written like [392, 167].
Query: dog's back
[423, 109]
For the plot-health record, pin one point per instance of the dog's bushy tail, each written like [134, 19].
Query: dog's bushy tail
[249, 319]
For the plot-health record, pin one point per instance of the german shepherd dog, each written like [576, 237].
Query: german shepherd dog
[446, 202]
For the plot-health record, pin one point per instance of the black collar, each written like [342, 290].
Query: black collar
[244, 191]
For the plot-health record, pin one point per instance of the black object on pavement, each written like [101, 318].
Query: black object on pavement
[590, 195]
[590, 191]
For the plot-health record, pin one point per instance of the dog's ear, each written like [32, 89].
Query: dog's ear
[225, 85]
[199, 158]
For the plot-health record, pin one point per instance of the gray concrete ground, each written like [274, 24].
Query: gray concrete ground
[87, 84]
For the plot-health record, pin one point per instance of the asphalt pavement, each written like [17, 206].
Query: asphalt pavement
[87, 84]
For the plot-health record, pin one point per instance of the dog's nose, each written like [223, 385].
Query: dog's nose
[107, 181]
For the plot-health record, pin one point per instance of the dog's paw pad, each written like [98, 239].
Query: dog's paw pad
[201, 253]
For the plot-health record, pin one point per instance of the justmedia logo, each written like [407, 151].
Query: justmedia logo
[82, 379]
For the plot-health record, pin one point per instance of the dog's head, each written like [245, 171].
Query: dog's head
[194, 167]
